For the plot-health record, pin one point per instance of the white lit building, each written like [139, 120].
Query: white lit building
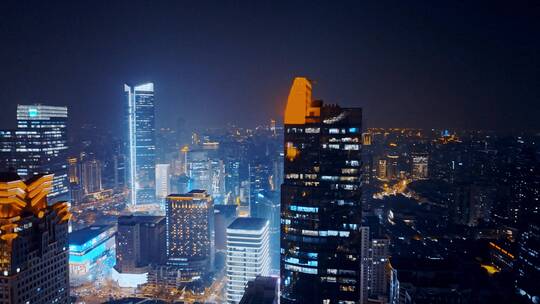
[162, 180]
[248, 254]
[142, 143]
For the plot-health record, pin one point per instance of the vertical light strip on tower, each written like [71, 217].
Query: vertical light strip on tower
[132, 156]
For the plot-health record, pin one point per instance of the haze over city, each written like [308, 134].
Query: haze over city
[269, 152]
[454, 64]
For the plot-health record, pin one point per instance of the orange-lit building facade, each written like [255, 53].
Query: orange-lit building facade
[320, 201]
[34, 247]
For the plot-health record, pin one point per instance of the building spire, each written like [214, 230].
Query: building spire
[298, 102]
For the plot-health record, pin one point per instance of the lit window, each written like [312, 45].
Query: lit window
[333, 131]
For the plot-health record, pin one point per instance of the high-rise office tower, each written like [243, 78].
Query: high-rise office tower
[466, 206]
[419, 166]
[7, 148]
[320, 201]
[41, 145]
[260, 180]
[162, 180]
[364, 265]
[392, 166]
[74, 176]
[269, 209]
[33, 242]
[119, 167]
[528, 261]
[224, 215]
[232, 178]
[247, 254]
[378, 276]
[91, 176]
[136, 234]
[190, 238]
[74, 172]
[376, 251]
[182, 160]
[217, 189]
[199, 170]
[141, 143]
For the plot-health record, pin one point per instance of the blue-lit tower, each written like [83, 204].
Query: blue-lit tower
[141, 143]
[40, 145]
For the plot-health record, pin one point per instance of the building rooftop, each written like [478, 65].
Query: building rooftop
[227, 210]
[262, 290]
[248, 223]
[84, 235]
[139, 219]
[196, 193]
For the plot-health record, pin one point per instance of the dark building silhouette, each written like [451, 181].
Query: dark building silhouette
[320, 201]
[140, 241]
[528, 261]
[262, 290]
[224, 215]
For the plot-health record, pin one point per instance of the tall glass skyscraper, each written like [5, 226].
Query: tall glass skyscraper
[40, 145]
[320, 201]
[141, 143]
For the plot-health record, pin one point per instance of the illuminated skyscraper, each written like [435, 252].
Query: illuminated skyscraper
[41, 145]
[33, 242]
[269, 209]
[248, 256]
[199, 170]
[206, 171]
[74, 173]
[392, 171]
[91, 176]
[260, 180]
[190, 238]
[162, 180]
[141, 143]
[320, 201]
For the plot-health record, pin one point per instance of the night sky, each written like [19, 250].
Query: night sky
[423, 64]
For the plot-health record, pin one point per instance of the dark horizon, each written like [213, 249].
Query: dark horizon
[414, 64]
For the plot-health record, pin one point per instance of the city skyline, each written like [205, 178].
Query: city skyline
[287, 152]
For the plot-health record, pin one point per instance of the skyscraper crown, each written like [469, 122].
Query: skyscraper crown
[19, 198]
